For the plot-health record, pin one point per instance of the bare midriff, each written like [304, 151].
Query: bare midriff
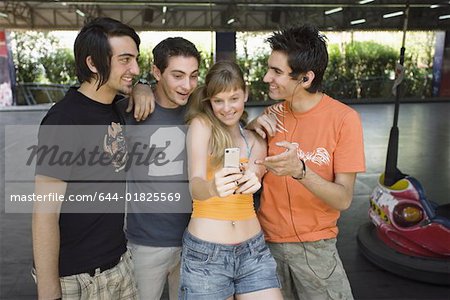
[224, 231]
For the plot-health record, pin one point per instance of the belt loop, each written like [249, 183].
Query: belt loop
[252, 249]
[254, 244]
[258, 247]
[215, 253]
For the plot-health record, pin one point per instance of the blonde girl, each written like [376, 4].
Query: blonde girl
[224, 253]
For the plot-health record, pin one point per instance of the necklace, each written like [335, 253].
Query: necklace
[249, 149]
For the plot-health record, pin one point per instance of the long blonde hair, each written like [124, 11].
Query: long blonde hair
[223, 76]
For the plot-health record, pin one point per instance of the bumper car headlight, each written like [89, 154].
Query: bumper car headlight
[407, 215]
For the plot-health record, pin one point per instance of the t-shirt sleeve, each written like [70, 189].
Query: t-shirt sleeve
[120, 106]
[349, 153]
[57, 147]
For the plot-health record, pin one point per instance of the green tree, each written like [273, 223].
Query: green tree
[366, 62]
[418, 65]
[337, 81]
[145, 62]
[253, 65]
[59, 66]
[28, 48]
[38, 57]
[254, 70]
[206, 61]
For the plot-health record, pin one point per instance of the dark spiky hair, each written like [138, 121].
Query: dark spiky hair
[306, 49]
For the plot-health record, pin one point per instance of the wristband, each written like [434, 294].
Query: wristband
[303, 171]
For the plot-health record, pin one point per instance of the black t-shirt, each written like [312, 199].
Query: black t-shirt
[86, 149]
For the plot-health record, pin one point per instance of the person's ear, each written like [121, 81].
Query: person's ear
[156, 72]
[90, 65]
[246, 93]
[308, 78]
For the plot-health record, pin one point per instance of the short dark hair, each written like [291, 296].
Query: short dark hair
[175, 46]
[92, 41]
[306, 50]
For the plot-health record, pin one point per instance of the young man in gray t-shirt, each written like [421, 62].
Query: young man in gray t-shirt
[158, 198]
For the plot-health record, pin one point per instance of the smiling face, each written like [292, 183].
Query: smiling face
[228, 106]
[281, 85]
[124, 66]
[177, 82]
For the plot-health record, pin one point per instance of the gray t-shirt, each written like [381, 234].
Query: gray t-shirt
[158, 198]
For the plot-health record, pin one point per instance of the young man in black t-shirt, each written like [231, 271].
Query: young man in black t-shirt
[79, 245]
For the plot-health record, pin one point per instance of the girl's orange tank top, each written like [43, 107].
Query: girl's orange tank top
[233, 207]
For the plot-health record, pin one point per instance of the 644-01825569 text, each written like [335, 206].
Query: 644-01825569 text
[102, 197]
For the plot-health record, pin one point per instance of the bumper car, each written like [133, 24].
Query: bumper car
[408, 235]
[408, 222]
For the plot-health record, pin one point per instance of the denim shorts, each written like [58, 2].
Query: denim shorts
[217, 271]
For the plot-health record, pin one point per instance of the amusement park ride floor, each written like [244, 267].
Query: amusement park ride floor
[423, 152]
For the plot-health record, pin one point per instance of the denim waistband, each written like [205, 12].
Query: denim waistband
[252, 244]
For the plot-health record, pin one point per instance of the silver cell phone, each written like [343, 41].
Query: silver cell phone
[231, 158]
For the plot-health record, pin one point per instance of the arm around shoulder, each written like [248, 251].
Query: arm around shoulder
[143, 100]
[264, 123]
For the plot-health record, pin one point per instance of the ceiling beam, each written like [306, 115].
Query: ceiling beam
[205, 15]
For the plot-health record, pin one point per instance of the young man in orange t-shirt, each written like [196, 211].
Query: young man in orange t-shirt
[315, 150]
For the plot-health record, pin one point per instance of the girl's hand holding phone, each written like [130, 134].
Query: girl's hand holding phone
[226, 181]
[249, 183]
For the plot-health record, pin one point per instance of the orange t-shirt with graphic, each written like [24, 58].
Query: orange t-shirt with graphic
[330, 141]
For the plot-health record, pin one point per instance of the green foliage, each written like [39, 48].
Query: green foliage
[355, 70]
[206, 61]
[26, 54]
[254, 67]
[59, 66]
[359, 70]
[369, 59]
[366, 63]
[144, 62]
[38, 57]
[418, 74]
[338, 80]
[254, 71]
